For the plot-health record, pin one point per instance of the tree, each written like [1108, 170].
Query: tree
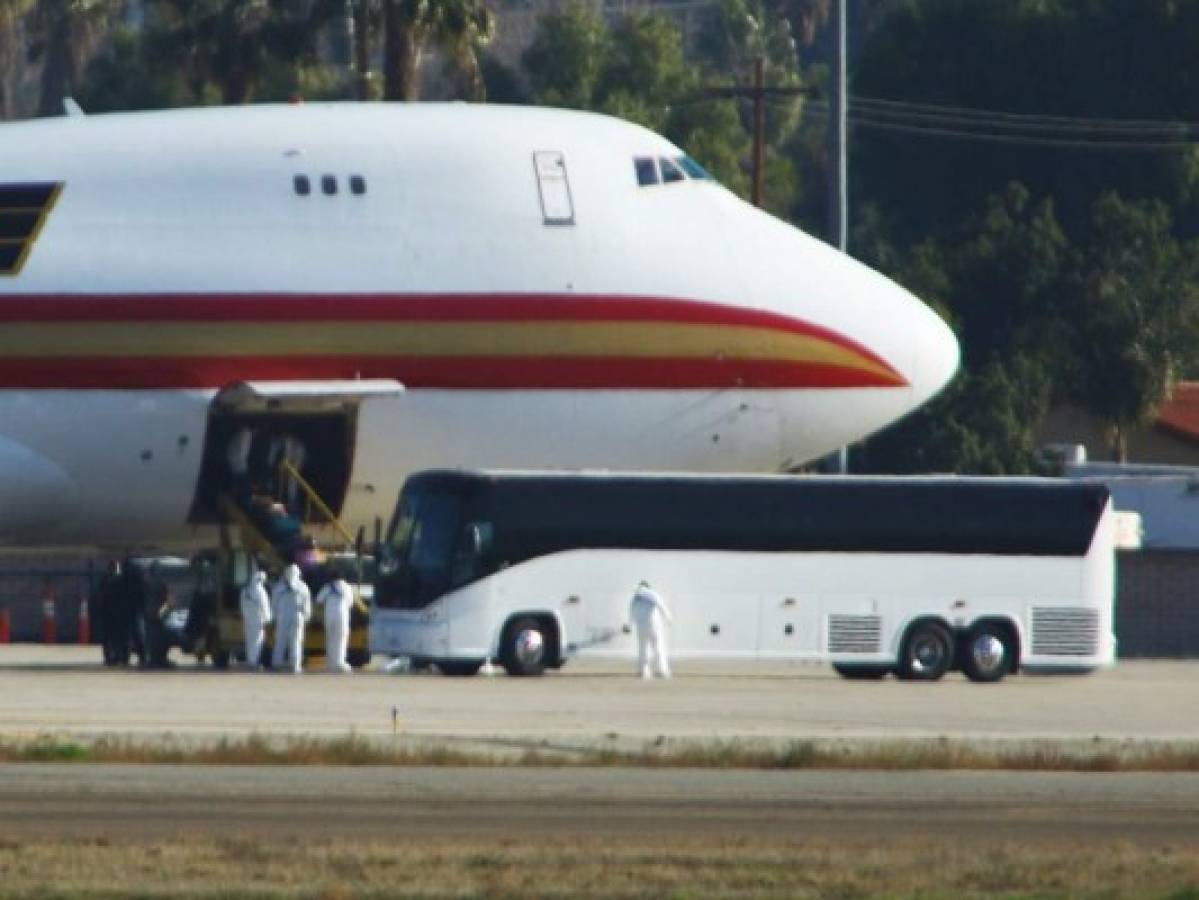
[458, 27]
[65, 34]
[1083, 58]
[636, 69]
[566, 56]
[232, 45]
[1137, 314]
[11, 15]
[999, 281]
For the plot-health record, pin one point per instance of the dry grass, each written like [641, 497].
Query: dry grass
[240, 867]
[356, 750]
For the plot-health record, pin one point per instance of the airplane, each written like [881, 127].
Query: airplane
[407, 286]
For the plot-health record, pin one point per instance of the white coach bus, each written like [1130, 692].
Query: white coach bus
[915, 576]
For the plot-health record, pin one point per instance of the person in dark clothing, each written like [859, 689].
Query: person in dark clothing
[156, 603]
[111, 615]
[133, 599]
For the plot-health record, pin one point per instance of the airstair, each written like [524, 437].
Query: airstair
[272, 532]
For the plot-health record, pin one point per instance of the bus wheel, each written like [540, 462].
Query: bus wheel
[525, 648]
[988, 652]
[220, 659]
[857, 672]
[927, 653]
[459, 668]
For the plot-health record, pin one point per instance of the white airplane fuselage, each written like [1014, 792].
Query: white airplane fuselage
[540, 307]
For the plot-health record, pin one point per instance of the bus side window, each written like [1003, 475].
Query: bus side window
[474, 547]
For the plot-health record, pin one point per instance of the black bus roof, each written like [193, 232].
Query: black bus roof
[923, 514]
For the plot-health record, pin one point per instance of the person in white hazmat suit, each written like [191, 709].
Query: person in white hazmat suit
[255, 616]
[293, 608]
[650, 617]
[336, 597]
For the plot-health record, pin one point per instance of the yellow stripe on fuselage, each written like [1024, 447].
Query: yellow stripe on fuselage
[653, 340]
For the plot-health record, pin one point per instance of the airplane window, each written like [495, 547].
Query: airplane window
[357, 185]
[647, 171]
[329, 184]
[670, 172]
[303, 188]
[694, 169]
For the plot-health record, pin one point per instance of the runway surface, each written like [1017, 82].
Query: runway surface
[64, 691]
[171, 802]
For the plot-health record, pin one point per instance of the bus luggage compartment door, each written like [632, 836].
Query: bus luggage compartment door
[789, 626]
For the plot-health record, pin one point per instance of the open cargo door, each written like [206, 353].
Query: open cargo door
[250, 421]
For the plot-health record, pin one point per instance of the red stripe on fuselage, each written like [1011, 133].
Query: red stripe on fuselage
[478, 373]
[234, 308]
[79, 310]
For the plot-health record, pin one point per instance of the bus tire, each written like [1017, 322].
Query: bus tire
[927, 652]
[858, 672]
[459, 668]
[988, 651]
[220, 658]
[525, 649]
[358, 659]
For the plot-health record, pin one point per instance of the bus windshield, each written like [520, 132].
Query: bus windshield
[420, 550]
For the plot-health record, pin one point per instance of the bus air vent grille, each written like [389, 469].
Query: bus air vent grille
[854, 634]
[1065, 631]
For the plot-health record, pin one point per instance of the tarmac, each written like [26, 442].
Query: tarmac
[64, 690]
[140, 803]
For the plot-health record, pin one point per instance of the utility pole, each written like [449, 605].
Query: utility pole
[838, 137]
[838, 132]
[759, 95]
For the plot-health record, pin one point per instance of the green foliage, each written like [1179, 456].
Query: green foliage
[11, 13]
[123, 78]
[227, 48]
[460, 28]
[1085, 295]
[62, 35]
[1137, 311]
[998, 281]
[1101, 58]
[566, 57]
[636, 69]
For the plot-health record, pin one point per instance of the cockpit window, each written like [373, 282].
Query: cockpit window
[694, 169]
[647, 170]
[670, 172]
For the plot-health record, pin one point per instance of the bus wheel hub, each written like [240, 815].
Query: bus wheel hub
[987, 651]
[530, 646]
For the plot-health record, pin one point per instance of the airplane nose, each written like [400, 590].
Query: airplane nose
[937, 357]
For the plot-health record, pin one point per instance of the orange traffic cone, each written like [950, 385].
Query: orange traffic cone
[85, 621]
[5, 625]
[49, 620]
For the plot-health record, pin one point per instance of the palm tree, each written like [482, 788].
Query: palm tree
[11, 13]
[232, 43]
[65, 33]
[458, 27]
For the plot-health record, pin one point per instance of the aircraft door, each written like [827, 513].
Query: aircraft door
[253, 427]
[553, 186]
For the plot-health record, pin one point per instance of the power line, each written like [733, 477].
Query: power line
[982, 112]
[1046, 137]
